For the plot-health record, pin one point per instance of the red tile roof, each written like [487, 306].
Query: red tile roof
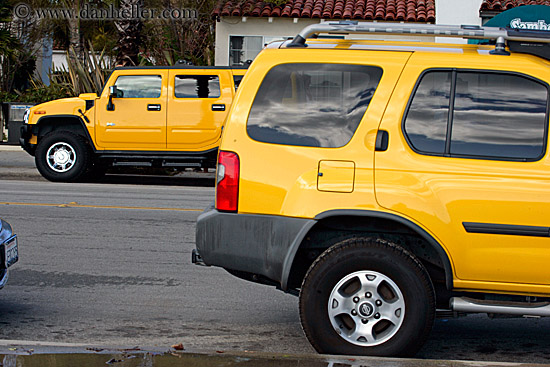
[388, 10]
[502, 5]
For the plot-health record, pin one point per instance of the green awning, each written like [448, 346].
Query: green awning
[523, 17]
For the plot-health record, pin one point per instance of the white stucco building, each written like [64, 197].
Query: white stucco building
[243, 28]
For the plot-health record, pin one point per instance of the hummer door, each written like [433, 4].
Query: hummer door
[135, 117]
[198, 104]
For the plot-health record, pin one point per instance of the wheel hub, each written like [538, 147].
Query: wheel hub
[61, 156]
[366, 309]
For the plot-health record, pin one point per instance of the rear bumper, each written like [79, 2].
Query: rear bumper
[3, 277]
[262, 245]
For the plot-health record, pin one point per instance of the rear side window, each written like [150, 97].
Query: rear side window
[237, 80]
[139, 86]
[314, 105]
[479, 115]
[197, 86]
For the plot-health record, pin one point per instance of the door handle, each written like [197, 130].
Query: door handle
[110, 124]
[218, 107]
[153, 107]
[382, 141]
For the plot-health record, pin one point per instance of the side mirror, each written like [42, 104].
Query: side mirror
[113, 91]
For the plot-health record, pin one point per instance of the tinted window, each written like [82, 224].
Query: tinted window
[317, 105]
[498, 115]
[197, 86]
[426, 121]
[493, 115]
[139, 86]
[237, 80]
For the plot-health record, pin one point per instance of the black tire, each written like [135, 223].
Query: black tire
[62, 156]
[342, 273]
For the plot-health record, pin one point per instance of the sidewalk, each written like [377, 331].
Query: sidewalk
[10, 148]
[16, 164]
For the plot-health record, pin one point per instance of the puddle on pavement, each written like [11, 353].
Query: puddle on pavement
[247, 359]
[171, 360]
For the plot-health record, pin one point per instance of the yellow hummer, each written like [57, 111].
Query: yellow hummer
[145, 116]
[380, 181]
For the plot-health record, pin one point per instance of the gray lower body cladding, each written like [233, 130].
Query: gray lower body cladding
[257, 244]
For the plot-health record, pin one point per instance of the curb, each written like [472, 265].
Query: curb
[10, 148]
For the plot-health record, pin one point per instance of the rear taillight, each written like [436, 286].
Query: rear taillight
[227, 186]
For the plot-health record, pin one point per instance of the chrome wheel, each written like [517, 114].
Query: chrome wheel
[366, 308]
[61, 157]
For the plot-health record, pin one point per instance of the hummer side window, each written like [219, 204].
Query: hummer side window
[197, 86]
[139, 86]
[316, 105]
[493, 116]
[237, 80]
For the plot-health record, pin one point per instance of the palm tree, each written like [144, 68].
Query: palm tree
[9, 48]
[74, 33]
[8, 43]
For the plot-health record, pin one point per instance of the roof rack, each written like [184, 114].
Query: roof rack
[515, 37]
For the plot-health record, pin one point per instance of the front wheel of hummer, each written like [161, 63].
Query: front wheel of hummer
[367, 296]
[62, 156]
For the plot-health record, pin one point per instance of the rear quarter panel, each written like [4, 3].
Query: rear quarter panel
[282, 180]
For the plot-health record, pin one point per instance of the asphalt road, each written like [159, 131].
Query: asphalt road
[109, 264]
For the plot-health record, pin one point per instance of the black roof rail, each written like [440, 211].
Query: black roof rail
[524, 37]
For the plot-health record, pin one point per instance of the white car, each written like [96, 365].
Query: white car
[9, 252]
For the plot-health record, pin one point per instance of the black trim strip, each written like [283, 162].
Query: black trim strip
[450, 114]
[506, 229]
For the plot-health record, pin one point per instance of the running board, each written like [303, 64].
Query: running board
[131, 164]
[470, 305]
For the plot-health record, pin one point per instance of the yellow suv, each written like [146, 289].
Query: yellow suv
[145, 116]
[380, 181]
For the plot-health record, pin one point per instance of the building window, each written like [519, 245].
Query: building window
[244, 48]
